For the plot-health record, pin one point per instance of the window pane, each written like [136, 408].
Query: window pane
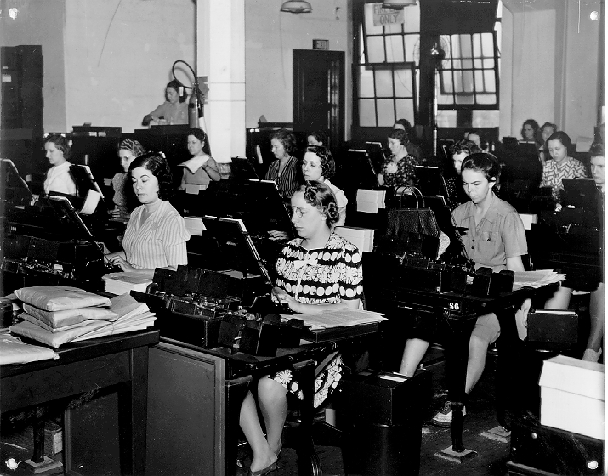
[466, 47]
[486, 98]
[477, 64]
[445, 99]
[465, 99]
[386, 112]
[366, 83]
[487, 44]
[458, 88]
[367, 113]
[384, 84]
[485, 118]
[403, 83]
[479, 84]
[488, 63]
[394, 49]
[393, 28]
[490, 81]
[411, 47]
[455, 46]
[476, 45]
[405, 109]
[412, 19]
[467, 81]
[446, 82]
[375, 49]
[446, 119]
[369, 22]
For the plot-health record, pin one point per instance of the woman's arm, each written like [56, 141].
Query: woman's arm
[212, 169]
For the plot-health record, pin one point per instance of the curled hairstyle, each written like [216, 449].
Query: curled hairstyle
[535, 128]
[322, 198]
[156, 163]
[202, 136]
[319, 136]
[328, 165]
[287, 139]
[562, 137]
[407, 127]
[60, 143]
[549, 124]
[401, 135]
[464, 145]
[485, 163]
[132, 146]
[596, 150]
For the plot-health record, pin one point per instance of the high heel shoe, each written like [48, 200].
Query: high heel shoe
[267, 470]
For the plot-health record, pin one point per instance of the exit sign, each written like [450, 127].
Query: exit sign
[320, 44]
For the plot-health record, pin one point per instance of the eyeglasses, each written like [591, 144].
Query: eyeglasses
[299, 212]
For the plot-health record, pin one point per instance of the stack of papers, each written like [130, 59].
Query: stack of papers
[369, 201]
[55, 328]
[194, 225]
[14, 351]
[536, 279]
[122, 283]
[362, 238]
[343, 318]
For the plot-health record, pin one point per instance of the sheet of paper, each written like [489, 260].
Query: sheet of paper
[342, 318]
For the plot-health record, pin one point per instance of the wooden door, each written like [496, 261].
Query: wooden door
[318, 93]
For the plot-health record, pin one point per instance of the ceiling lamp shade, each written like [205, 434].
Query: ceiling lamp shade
[296, 6]
[398, 4]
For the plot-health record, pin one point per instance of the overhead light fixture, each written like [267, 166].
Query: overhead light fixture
[296, 6]
[398, 4]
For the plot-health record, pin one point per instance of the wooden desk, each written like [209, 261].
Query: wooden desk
[195, 397]
[120, 360]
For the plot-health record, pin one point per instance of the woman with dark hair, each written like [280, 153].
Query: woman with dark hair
[201, 169]
[69, 180]
[412, 149]
[398, 169]
[317, 272]
[546, 130]
[460, 151]
[284, 170]
[174, 110]
[530, 132]
[128, 150]
[496, 239]
[562, 166]
[318, 164]
[318, 138]
[156, 234]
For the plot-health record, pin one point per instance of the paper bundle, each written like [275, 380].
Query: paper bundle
[536, 279]
[122, 283]
[73, 324]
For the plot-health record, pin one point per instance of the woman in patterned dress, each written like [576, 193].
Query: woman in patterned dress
[156, 234]
[398, 170]
[562, 166]
[319, 271]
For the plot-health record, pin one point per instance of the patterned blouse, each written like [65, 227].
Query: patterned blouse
[554, 173]
[328, 275]
[399, 174]
[158, 243]
[287, 181]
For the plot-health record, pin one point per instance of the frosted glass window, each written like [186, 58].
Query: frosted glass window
[394, 49]
[367, 113]
[405, 109]
[412, 45]
[386, 112]
[447, 119]
[366, 83]
[485, 118]
[384, 83]
[403, 83]
[375, 49]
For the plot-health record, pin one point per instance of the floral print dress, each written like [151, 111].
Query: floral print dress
[320, 276]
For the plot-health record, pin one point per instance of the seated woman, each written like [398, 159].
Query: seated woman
[284, 170]
[128, 150]
[156, 234]
[562, 166]
[398, 169]
[597, 297]
[530, 133]
[318, 164]
[460, 151]
[201, 169]
[173, 111]
[317, 272]
[318, 138]
[546, 131]
[412, 149]
[69, 180]
[495, 238]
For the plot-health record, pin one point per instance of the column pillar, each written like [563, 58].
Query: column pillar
[220, 55]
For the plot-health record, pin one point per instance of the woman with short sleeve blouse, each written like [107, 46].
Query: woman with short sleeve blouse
[398, 170]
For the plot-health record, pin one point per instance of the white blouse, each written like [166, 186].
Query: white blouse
[58, 179]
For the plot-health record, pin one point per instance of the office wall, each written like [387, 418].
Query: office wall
[549, 66]
[43, 23]
[119, 55]
[270, 38]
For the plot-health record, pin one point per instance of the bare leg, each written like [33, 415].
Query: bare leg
[597, 313]
[412, 355]
[250, 423]
[560, 300]
[273, 404]
[478, 349]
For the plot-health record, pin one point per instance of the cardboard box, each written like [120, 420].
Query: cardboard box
[369, 201]
[362, 238]
[572, 396]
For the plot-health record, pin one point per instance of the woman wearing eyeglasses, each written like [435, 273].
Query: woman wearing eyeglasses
[317, 272]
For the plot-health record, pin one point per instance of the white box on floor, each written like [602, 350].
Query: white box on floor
[362, 238]
[572, 396]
